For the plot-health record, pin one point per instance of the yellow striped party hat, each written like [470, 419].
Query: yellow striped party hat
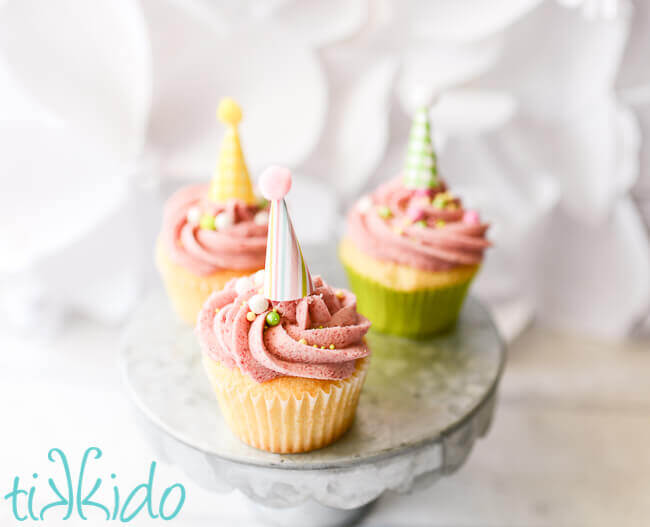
[231, 178]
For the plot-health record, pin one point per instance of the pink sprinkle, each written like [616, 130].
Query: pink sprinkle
[275, 182]
[471, 217]
[426, 192]
[415, 213]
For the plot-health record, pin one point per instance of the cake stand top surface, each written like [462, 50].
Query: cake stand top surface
[416, 392]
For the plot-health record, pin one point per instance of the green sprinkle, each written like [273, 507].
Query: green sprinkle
[272, 318]
[384, 212]
[421, 223]
[440, 223]
[439, 202]
[207, 222]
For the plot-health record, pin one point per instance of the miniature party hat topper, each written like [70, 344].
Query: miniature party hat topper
[286, 274]
[420, 171]
[231, 175]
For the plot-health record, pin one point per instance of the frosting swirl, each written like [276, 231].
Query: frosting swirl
[427, 229]
[319, 336]
[240, 246]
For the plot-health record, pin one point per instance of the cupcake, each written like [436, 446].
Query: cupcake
[212, 233]
[285, 352]
[411, 249]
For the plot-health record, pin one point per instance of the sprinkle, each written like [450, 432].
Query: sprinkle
[415, 212]
[423, 192]
[302, 341]
[261, 201]
[250, 316]
[340, 293]
[207, 222]
[315, 345]
[364, 204]
[194, 215]
[322, 347]
[471, 217]
[331, 346]
[272, 318]
[320, 327]
[421, 223]
[441, 199]
[223, 220]
[398, 230]
[440, 223]
[243, 285]
[261, 218]
[384, 212]
[243, 303]
[258, 304]
[217, 309]
[452, 206]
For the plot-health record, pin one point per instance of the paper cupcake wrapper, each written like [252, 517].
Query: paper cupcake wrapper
[187, 291]
[291, 419]
[416, 314]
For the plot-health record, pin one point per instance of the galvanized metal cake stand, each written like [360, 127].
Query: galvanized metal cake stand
[422, 407]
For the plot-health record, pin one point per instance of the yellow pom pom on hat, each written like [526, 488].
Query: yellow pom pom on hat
[231, 179]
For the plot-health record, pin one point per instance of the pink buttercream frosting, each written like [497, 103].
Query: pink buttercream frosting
[416, 232]
[320, 336]
[241, 246]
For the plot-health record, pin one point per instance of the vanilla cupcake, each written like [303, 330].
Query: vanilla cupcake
[411, 249]
[285, 353]
[212, 233]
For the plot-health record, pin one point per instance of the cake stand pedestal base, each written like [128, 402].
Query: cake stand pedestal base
[319, 515]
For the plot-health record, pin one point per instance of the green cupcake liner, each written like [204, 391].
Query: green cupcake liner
[415, 314]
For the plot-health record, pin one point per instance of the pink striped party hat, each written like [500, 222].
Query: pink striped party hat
[286, 274]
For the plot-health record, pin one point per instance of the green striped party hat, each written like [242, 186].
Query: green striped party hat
[420, 170]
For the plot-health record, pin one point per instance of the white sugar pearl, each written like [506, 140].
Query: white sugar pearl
[258, 278]
[258, 304]
[243, 285]
[364, 204]
[223, 221]
[261, 218]
[194, 215]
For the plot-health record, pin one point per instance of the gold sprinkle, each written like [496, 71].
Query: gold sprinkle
[322, 347]
[440, 223]
[217, 310]
[302, 341]
[331, 346]
[250, 316]
[315, 345]
[340, 293]
[320, 327]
